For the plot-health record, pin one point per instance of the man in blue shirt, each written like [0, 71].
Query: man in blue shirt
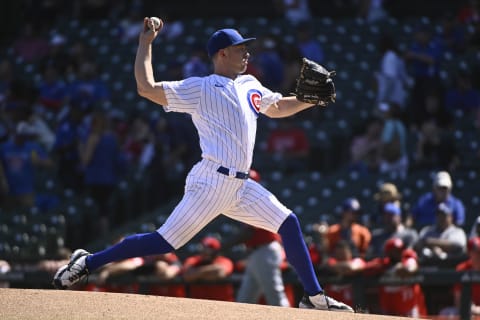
[18, 158]
[425, 210]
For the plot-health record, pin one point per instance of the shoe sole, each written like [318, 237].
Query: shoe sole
[56, 281]
[302, 305]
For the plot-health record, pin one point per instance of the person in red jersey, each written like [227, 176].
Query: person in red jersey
[400, 300]
[472, 264]
[344, 264]
[206, 273]
[166, 268]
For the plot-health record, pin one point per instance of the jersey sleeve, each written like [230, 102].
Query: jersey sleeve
[268, 96]
[183, 96]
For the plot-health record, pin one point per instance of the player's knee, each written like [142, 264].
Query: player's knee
[290, 225]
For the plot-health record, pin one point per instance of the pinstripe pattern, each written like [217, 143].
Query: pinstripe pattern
[226, 124]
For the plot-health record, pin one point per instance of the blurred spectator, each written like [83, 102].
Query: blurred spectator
[473, 40]
[20, 101]
[469, 12]
[348, 229]
[472, 264]
[70, 130]
[131, 25]
[423, 59]
[206, 273]
[89, 85]
[344, 264]
[463, 96]
[18, 159]
[197, 64]
[105, 280]
[318, 244]
[365, 148]
[20, 107]
[387, 193]
[31, 46]
[166, 155]
[393, 149]
[295, 11]
[51, 265]
[435, 149]
[269, 62]
[43, 134]
[442, 241]
[292, 58]
[6, 78]
[425, 211]
[103, 164]
[79, 53]
[164, 267]
[172, 27]
[57, 57]
[392, 227]
[392, 80]
[309, 47]
[138, 137]
[475, 230]
[452, 35]
[52, 89]
[423, 55]
[289, 146]
[398, 261]
[432, 108]
[372, 10]
[263, 270]
[167, 268]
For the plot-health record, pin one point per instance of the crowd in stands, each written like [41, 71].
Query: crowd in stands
[64, 130]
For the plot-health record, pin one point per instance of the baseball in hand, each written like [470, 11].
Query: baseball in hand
[156, 22]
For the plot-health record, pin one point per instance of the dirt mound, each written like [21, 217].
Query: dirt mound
[55, 304]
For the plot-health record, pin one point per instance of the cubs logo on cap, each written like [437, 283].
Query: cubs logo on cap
[254, 98]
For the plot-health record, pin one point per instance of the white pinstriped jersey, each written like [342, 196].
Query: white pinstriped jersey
[224, 111]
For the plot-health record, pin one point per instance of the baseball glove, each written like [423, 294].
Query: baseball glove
[315, 84]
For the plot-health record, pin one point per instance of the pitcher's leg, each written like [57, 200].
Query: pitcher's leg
[137, 245]
[260, 208]
[298, 255]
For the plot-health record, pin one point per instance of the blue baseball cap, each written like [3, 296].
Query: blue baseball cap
[224, 38]
[443, 207]
[351, 204]
[392, 209]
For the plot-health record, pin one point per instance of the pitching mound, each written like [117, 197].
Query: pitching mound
[55, 304]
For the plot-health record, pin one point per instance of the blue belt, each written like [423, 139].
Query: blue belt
[238, 174]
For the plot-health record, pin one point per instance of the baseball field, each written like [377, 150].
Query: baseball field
[55, 304]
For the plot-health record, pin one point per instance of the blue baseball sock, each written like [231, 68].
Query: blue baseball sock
[138, 245]
[298, 255]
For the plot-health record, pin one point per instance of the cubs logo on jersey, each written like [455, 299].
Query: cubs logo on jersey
[254, 98]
